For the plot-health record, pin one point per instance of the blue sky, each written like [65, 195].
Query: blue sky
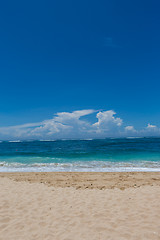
[63, 56]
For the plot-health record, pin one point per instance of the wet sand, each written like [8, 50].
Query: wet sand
[89, 180]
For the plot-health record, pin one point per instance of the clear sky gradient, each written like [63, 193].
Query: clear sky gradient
[58, 56]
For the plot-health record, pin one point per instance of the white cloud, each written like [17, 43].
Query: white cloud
[107, 123]
[150, 130]
[150, 126]
[62, 125]
[71, 125]
[65, 117]
[106, 119]
[130, 128]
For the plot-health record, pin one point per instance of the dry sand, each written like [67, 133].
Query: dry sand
[79, 206]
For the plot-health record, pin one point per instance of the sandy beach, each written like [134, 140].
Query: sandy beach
[89, 206]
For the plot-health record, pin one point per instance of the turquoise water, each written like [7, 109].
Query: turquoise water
[105, 155]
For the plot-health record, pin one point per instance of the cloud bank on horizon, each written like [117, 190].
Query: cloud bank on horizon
[74, 125]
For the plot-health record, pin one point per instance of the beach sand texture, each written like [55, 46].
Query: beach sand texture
[119, 206]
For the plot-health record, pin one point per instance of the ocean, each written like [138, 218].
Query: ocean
[103, 155]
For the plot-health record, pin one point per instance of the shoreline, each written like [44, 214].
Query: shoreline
[90, 180]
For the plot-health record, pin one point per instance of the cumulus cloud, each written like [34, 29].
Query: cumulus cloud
[74, 125]
[64, 125]
[107, 123]
[151, 127]
[66, 117]
[151, 130]
[130, 128]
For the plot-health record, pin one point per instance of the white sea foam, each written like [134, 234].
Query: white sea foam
[92, 166]
[135, 137]
[41, 140]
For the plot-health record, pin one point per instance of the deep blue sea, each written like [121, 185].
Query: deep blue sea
[105, 155]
